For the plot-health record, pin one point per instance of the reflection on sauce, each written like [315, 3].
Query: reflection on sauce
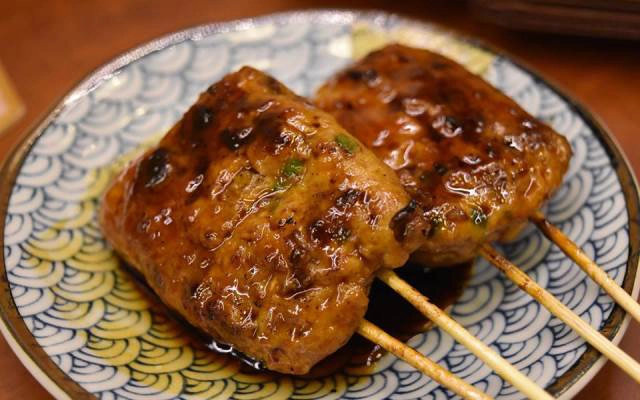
[457, 143]
[392, 313]
[387, 309]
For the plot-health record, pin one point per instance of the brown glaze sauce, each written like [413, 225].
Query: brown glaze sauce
[477, 163]
[392, 313]
[387, 309]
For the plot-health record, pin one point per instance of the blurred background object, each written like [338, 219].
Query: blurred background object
[614, 18]
[11, 108]
[47, 47]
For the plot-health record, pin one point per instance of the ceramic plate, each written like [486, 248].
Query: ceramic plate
[81, 326]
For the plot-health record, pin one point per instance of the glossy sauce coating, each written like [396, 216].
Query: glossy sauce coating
[261, 221]
[396, 316]
[476, 162]
[387, 309]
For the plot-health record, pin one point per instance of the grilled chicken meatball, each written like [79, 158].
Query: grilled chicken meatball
[261, 221]
[476, 162]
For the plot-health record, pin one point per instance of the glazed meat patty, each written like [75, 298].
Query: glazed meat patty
[261, 221]
[476, 162]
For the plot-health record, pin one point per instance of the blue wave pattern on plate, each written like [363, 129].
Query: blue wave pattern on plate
[52, 215]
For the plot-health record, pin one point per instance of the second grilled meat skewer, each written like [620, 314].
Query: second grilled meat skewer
[474, 161]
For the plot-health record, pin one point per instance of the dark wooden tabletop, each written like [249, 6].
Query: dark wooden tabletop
[48, 46]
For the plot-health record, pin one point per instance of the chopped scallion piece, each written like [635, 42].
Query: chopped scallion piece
[347, 143]
[293, 167]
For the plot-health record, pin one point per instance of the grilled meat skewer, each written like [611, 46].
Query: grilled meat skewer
[475, 161]
[262, 222]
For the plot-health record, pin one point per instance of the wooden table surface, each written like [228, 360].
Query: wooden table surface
[48, 46]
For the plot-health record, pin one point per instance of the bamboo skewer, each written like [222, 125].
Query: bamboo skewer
[420, 362]
[494, 360]
[588, 333]
[459, 333]
[591, 268]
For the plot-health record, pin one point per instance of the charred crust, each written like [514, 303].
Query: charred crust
[334, 225]
[194, 290]
[286, 221]
[368, 75]
[202, 117]
[299, 256]
[401, 221]
[440, 169]
[236, 138]
[154, 169]
[319, 231]
[349, 198]
[325, 231]
[270, 128]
